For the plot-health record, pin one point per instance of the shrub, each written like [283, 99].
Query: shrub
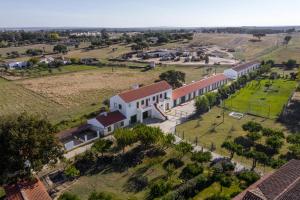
[274, 142]
[72, 172]
[68, 196]
[176, 162]
[190, 171]
[100, 196]
[160, 188]
[248, 176]
[217, 197]
[138, 183]
[293, 139]
[252, 127]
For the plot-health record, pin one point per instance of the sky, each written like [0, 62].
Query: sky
[148, 13]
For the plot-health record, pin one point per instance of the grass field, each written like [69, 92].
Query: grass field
[209, 129]
[67, 95]
[41, 71]
[283, 53]
[260, 100]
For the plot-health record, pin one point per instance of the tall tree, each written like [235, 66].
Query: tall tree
[27, 143]
[102, 146]
[287, 39]
[125, 137]
[202, 104]
[232, 147]
[174, 78]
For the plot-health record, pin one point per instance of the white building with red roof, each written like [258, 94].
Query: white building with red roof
[140, 103]
[106, 123]
[198, 88]
[241, 69]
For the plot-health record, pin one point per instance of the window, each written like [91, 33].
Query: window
[109, 129]
[138, 104]
[120, 107]
[115, 105]
[129, 105]
[165, 95]
[143, 102]
[153, 98]
[160, 96]
[122, 124]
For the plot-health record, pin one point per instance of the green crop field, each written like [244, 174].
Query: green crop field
[259, 99]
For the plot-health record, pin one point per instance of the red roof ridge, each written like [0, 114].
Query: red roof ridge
[141, 92]
[110, 118]
[184, 90]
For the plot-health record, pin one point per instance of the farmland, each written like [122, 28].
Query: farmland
[264, 98]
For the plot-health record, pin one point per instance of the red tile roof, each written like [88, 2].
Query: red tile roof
[145, 91]
[284, 184]
[182, 91]
[27, 190]
[243, 66]
[110, 118]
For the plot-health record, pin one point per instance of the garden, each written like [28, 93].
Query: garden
[143, 163]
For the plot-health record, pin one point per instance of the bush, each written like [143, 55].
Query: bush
[72, 172]
[138, 183]
[190, 171]
[176, 162]
[68, 196]
[252, 127]
[160, 188]
[217, 197]
[100, 196]
[249, 177]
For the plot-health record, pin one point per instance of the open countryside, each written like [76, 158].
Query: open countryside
[105, 100]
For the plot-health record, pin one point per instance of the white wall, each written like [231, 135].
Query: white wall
[230, 73]
[130, 109]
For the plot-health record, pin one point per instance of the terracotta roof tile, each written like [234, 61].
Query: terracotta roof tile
[145, 91]
[33, 190]
[284, 184]
[182, 91]
[281, 179]
[110, 118]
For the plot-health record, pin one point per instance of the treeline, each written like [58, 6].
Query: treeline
[241, 30]
[17, 38]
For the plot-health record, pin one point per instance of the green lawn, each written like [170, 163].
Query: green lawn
[215, 188]
[209, 129]
[257, 99]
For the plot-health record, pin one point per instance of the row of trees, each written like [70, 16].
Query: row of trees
[251, 145]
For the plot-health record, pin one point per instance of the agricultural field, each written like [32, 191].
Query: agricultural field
[44, 71]
[264, 98]
[283, 53]
[210, 129]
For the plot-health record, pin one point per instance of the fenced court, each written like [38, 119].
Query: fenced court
[264, 98]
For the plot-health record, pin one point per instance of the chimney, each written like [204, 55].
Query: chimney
[103, 114]
[135, 86]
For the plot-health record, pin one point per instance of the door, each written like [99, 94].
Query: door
[133, 119]
[145, 115]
